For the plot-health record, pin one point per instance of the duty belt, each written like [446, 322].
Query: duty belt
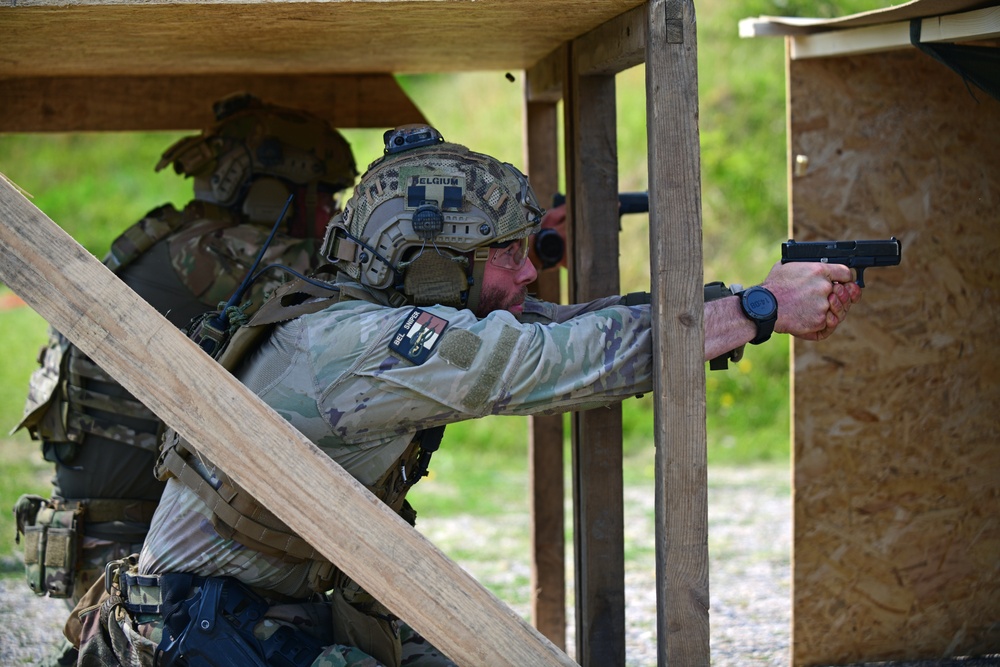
[140, 594]
[102, 510]
[145, 593]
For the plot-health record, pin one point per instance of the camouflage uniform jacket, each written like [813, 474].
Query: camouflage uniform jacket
[360, 379]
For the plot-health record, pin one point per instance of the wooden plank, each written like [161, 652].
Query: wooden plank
[896, 513]
[969, 26]
[678, 342]
[545, 444]
[129, 103]
[592, 179]
[260, 450]
[615, 46]
[763, 26]
[163, 37]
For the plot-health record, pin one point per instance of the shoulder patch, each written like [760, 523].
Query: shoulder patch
[418, 336]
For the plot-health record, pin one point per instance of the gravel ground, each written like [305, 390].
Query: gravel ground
[749, 550]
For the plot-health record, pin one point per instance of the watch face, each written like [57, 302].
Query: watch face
[759, 303]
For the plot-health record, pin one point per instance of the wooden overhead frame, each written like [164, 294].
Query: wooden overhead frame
[173, 102]
[302, 53]
[895, 431]
[67, 65]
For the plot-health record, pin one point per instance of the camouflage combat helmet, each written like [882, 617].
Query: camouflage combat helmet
[272, 148]
[423, 217]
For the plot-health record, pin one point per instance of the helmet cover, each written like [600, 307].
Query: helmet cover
[417, 216]
[252, 139]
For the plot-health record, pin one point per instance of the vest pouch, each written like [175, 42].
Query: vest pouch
[50, 551]
[34, 558]
[44, 406]
[60, 554]
[26, 511]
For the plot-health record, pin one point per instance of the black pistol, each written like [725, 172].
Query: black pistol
[858, 255]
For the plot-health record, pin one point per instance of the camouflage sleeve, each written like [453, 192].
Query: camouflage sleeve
[425, 367]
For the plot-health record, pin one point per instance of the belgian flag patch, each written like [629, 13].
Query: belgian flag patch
[418, 336]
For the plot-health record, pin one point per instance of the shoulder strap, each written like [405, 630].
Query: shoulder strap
[140, 237]
[291, 300]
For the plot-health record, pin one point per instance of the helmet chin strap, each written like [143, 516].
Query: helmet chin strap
[479, 260]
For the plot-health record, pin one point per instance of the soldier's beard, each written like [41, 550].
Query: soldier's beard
[493, 299]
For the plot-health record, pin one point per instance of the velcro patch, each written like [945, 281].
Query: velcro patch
[418, 336]
[447, 189]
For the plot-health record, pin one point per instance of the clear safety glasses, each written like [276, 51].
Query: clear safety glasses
[510, 255]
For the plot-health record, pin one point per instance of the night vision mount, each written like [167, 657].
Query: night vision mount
[406, 137]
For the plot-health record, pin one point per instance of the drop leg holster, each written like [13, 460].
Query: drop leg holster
[209, 622]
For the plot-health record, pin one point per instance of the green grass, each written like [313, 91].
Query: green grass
[94, 185]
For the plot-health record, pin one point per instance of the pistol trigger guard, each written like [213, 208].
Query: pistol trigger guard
[861, 276]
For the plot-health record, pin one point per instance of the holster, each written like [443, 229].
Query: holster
[214, 628]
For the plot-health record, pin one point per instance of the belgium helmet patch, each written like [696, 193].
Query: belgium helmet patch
[418, 336]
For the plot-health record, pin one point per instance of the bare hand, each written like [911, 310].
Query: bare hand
[813, 299]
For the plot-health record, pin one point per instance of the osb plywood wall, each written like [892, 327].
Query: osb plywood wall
[897, 416]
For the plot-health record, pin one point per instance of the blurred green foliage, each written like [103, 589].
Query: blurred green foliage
[95, 185]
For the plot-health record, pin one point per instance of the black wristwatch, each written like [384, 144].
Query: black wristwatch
[760, 306]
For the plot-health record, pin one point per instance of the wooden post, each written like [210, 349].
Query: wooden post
[545, 444]
[261, 451]
[592, 179]
[678, 343]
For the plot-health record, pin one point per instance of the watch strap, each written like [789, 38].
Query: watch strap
[765, 325]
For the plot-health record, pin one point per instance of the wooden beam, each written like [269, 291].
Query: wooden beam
[968, 26]
[546, 77]
[678, 334]
[615, 46]
[130, 103]
[545, 444]
[261, 451]
[592, 179]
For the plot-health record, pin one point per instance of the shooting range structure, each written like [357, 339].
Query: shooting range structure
[896, 464]
[67, 65]
[894, 419]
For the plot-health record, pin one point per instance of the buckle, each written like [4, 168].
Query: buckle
[112, 573]
[111, 570]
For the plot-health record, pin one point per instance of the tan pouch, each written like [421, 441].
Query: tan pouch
[50, 551]
[378, 637]
[89, 602]
[34, 558]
